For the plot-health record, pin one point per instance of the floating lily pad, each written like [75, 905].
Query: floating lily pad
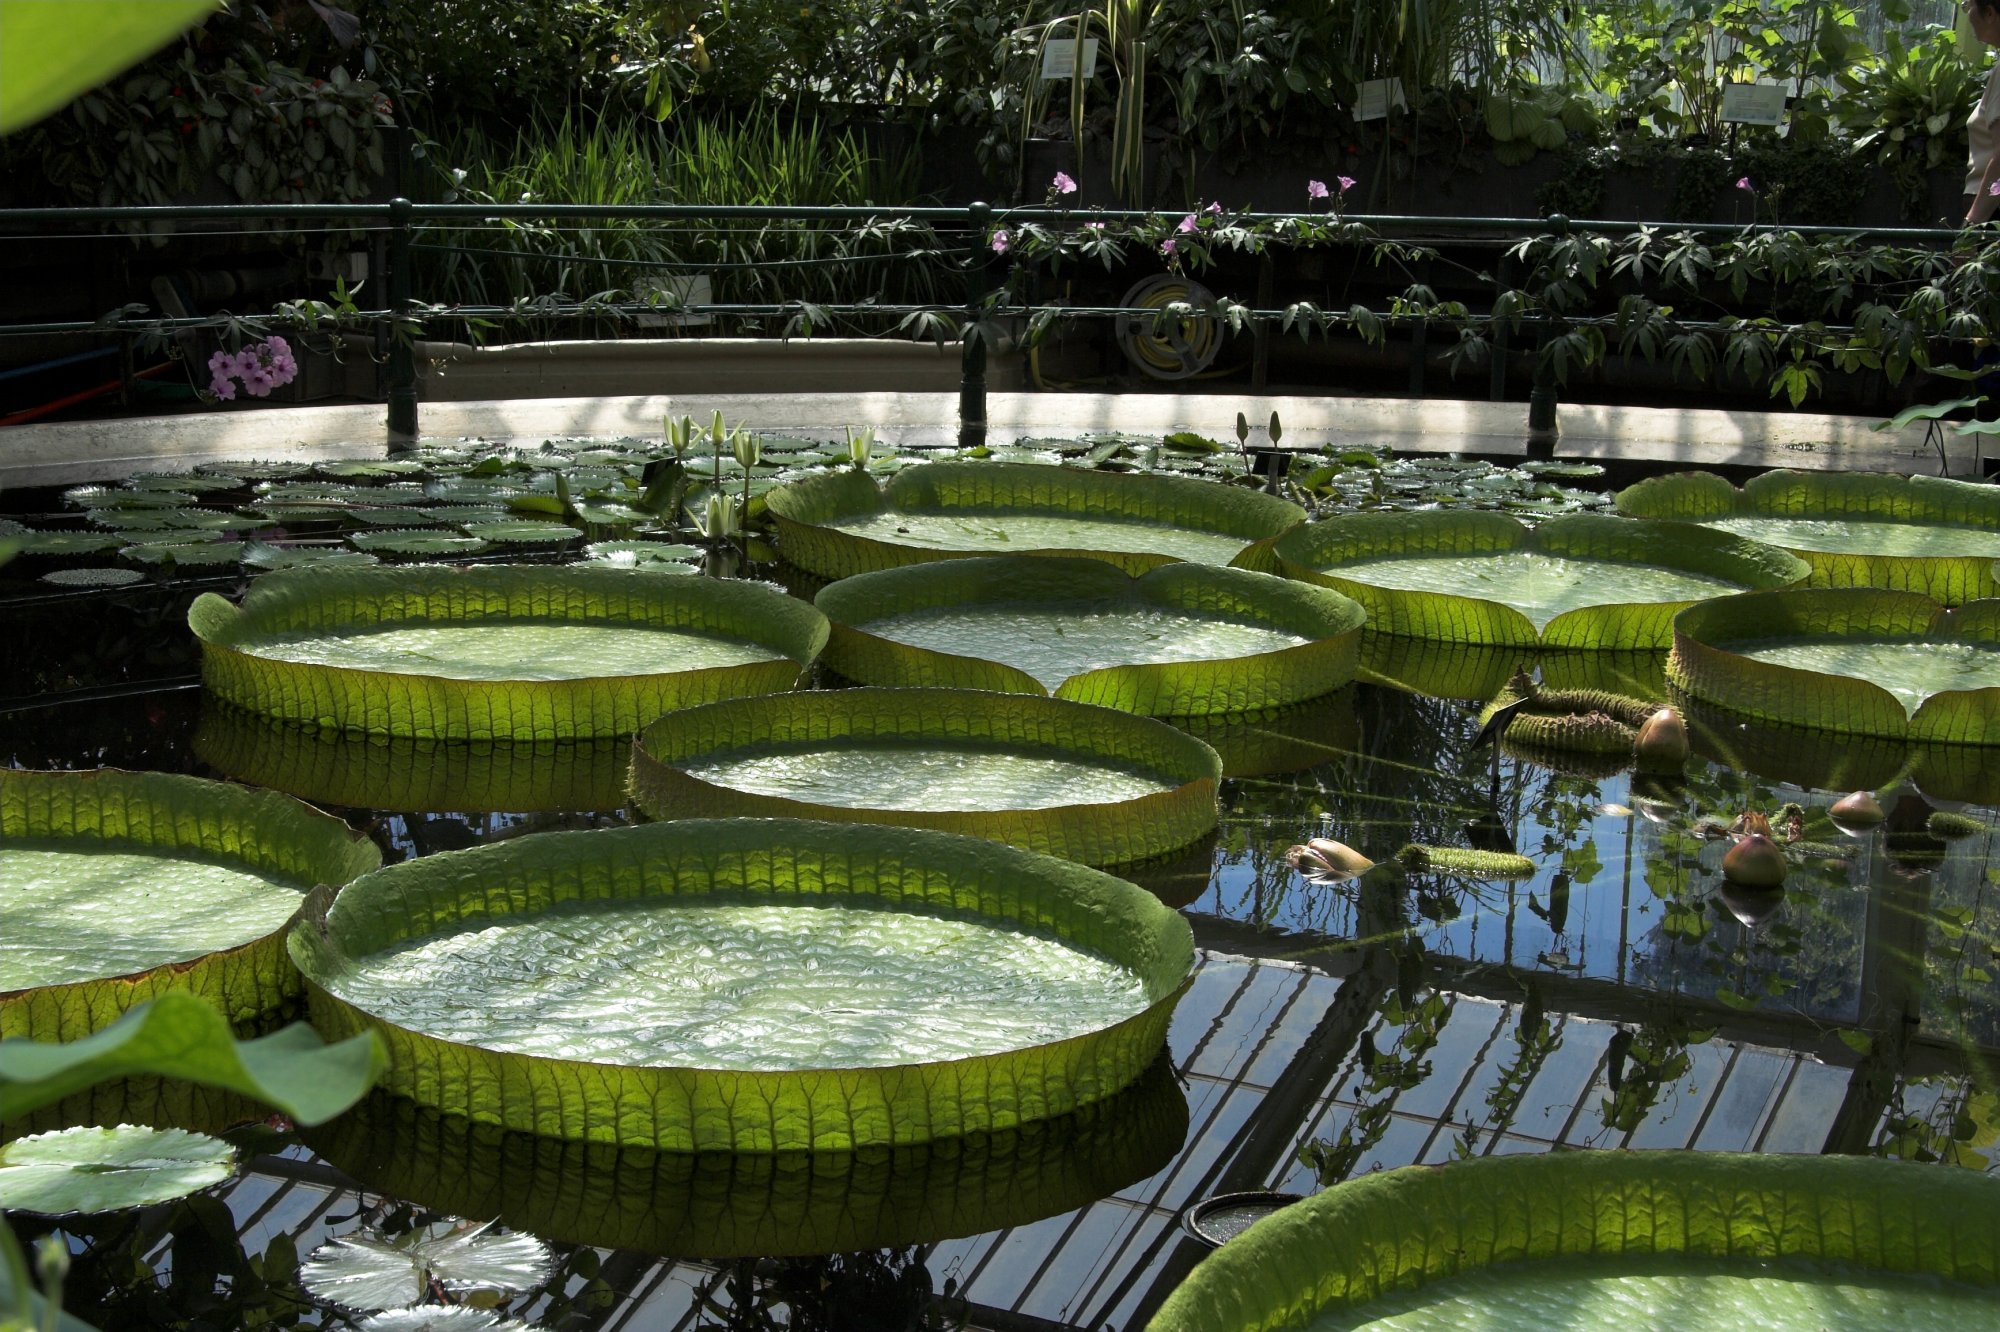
[369, 1274]
[382, 772]
[184, 553]
[161, 883]
[1180, 640]
[858, 996]
[81, 1170]
[521, 532]
[416, 541]
[498, 652]
[1393, 1241]
[1089, 784]
[441, 1318]
[728, 1205]
[1921, 534]
[843, 522]
[93, 577]
[1583, 581]
[58, 543]
[643, 554]
[264, 555]
[1857, 661]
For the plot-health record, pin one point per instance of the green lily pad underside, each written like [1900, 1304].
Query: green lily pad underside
[928, 777]
[744, 986]
[512, 650]
[1052, 643]
[1862, 536]
[73, 913]
[1539, 586]
[1010, 533]
[1911, 669]
[1688, 1296]
[81, 1170]
[581, 915]
[1401, 1230]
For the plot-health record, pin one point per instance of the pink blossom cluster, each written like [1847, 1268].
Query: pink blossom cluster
[261, 366]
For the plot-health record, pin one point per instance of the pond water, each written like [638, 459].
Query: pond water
[1613, 999]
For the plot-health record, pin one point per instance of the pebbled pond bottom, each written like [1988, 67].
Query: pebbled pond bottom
[1910, 671]
[928, 777]
[748, 987]
[992, 533]
[75, 914]
[1054, 643]
[1840, 536]
[1541, 587]
[512, 650]
[1688, 1296]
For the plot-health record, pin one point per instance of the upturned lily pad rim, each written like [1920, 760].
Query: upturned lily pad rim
[688, 1108]
[1704, 667]
[1401, 1229]
[175, 815]
[1097, 832]
[805, 509]
[1330, 622]
[1313, 552]
[437, 707]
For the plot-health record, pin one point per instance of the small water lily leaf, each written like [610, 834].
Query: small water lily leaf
[184, 552]
[412, 541]
[612, 514]
[361, 1272]
[92, 577]
[180, 1036]
[371, 467]
[437, 1318]
[631, 554]
[109, 1169]
[264, 555]
[69, 543]
[522, 531]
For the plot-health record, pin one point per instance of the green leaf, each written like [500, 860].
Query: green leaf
[370, 1275]
[179, 1036]
[53, 50]
[109, 1169]
[1858, 1041]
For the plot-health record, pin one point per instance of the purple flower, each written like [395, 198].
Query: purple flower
[1167, 245]
[1215, 207]
[1346, 183]
[1188, 225]
[1994, 188]
[1062, 184]
[1001, 242]
[1743, 183]
[1093, 226]
[223, 387]
[1315, 189]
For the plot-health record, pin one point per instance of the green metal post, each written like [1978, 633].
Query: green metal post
[972, 372]
[402, 388]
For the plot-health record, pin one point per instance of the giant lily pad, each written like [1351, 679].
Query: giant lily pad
[91, 1169]
[1857, 661]
[396, 773]
[119, 886]
[1582, 581]
[498, 652]
[842, 522]
[1181, 640]
[1089, 784]
[748, 984]
[729, 1204]
[1855, 529]
[1422, 1233]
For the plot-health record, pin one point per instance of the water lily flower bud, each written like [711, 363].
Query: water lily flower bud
[1754, 862]
[1662, 741]
[1856, 812]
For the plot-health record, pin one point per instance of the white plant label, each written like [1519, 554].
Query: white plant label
[1375, 97]
[1759, 103]
[1059, 58]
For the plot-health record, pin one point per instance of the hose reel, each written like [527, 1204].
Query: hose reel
[1168, 348]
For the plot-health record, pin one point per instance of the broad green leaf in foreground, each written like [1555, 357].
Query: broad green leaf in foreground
[368, 1274]
[94, 1169]
[53, 50]
[179, 1036]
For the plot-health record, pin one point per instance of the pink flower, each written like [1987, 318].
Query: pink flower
[1743, 183]
[1315, 189]
[1994, 188]
[1001, 242]
[1189, 225]
[1062, 184]
[1346, 183]
[1093, 226]
[1213, 208]
[223, 387]
[1167, 245]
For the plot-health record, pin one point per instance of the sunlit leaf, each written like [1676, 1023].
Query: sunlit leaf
[109, 1169]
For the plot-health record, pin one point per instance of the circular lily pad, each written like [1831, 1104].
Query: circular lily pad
[1181, 640]
[415, 541]
[93, 577]
[1710, 1235]
[81, 1170]
[749, 984]
[1089, 784]
[161, 882]
[1581, 581]
[521, 531]
[498, 652]
[1858, 661]
[843, 522]
[1925, 534]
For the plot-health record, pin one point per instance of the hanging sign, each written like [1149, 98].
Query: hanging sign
[1059, 58]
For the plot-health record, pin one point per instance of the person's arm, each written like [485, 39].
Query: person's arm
[1984, 201]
